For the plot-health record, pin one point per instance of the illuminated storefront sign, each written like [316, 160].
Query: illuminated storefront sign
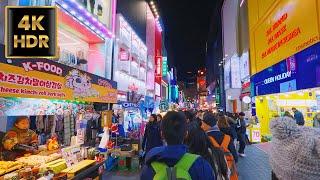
[164, 66]
[300, 71]
[40, 78]
[158, 66]
[283, 32]
[123, 55]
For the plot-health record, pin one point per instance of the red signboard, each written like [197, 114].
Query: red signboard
[123, 55]
[158, 56]
[158, 66]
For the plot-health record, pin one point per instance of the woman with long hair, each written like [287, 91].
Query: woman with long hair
[199, 143]
[225, 127]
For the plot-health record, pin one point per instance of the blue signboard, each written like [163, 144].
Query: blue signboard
[300, 71]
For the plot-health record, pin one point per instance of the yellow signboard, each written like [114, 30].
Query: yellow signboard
[49, 80]
[287, 28]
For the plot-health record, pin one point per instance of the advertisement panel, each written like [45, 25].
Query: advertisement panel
[101, 9]
[158, 67]
[41, 78]
[227, 75]
[284, 31]
[235, 72]
[164, 66]
[244, 66]
[300, 71]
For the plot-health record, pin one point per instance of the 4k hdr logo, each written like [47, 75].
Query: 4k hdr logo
[31, 32]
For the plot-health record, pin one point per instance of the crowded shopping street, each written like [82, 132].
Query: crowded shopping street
[159, 90]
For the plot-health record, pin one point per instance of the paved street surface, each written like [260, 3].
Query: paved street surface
[253, 167]
[121, 176]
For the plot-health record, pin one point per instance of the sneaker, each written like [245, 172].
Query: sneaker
[242, 155]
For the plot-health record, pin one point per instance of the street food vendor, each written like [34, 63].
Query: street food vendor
[20, 139]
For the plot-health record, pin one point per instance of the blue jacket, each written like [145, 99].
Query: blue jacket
[200, 170]
[152, 137]
[298, 116]
[218, 136]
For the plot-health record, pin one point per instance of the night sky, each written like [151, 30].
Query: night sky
[186, 24]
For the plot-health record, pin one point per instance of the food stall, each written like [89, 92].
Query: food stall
[51, 115]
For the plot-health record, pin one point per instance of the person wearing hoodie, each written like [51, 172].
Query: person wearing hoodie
[152, 135]
[209, 125]
[295, 150]
[174, 130]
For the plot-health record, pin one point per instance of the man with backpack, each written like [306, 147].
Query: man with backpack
[222, 141]
[173, 161]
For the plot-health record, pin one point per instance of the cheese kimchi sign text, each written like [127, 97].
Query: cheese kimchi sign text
[31, 32]
[43, 79]
[283, 32]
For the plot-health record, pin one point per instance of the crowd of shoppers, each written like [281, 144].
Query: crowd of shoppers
[199, 145]
[206, 145]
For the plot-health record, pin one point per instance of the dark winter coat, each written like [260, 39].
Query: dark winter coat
[241, 126]
[298, 116]
[218, 136]
[152, 137]
[230, 131]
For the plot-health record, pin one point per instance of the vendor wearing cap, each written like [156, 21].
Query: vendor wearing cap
[20, 139]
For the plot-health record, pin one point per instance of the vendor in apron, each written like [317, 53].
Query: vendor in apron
[20, 139]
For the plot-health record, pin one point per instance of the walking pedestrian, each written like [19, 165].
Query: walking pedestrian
[233, 124]
[159, 118]
[241, 132]
[316, 121]
[152, 135]
[225, 127]
[298, 116]
[222, 141]
[173, 160]
[198, 143]
[213, 131]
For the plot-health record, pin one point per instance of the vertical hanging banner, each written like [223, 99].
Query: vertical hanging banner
[31, 32]
[164, 66]
[158, 69]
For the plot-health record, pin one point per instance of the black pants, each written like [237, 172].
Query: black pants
[273, 176]
[242, 142]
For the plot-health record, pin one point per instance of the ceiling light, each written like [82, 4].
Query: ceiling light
[65, 6]
[241, 3]
[80, 7]
[151, 2]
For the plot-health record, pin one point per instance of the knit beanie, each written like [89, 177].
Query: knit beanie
[295, 151]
